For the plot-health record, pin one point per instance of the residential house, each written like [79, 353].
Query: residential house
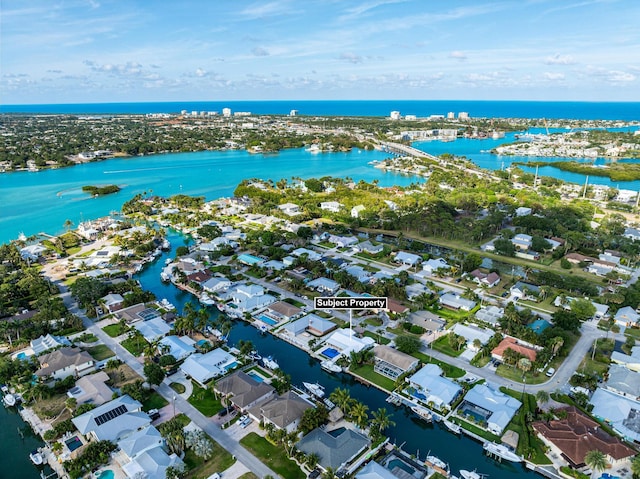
[113, 302]
[428, 386]
[487, 279]
[523, 211]
[273, 265]
[513, 344]
[573, 436]
[632, 233]
[137, 312]
[414, 290]
[45, 343]
[250, 297]
[284, 310]
[433, 265]
[498, 408]
[312, 324]
[392, 363]
[522, 290]
[343, 341]
[334, 451]
[630, 361]
[470, 332]
[373, 470]
[490, 314]
[396, 307]
[620, 412]
[456, 302]
[369, 247]
[342, 241]
[356, 210]
[199, 277]
[626, 317]
[358, 272]
[522, 241]
[284, 411]
[65, 362]
[153, 329]
[244, 391]
[408, 259]
[324, 286]
[623, 381]
[204, 367]
[32, 252]
[332, 206]
[178, 347]
[113, 420]
[290, 209]
[92, 389]
[216, 284]
[142, 454]
[311, 255]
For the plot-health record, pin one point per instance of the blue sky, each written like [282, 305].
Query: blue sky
[73, 51]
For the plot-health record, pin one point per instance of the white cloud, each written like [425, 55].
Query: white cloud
[616, 76]
[553, 76]
[201, 73]
[559, 59]
[125, 69]
[458, 55]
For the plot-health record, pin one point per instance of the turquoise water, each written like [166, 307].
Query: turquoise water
[268, 320]
[249, 259]
[539, 325]
[402, 465]
[33, 202]
[106, 474]
[255, 376]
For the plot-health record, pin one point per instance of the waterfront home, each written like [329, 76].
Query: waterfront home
[92, 389]
[45, 343]
[290, 209]
[324, 286]
[522, 241]
[199, 277]
[432, 389]
[408, 259]
[113, 420]
[284, 411]
[244, 391]
[137, 312]
[189, 265]
[433, 265]
[247, 298]
[178, 347]
[142, 454]
[630, 361]
[456, 302]
[331, 206]
[216, 284]
[153, 329]
[626, 317]
[65, 362]
[392, 363]
[623, 381]
[368, 247]
[619, 412]
[203, 367]
[283, 310]
[310, 323]
[334, 451]
[113, 302]
[573, 436]
[497, 408]
[516, 346]
[490, 315]
[32, 252]
[373, 470]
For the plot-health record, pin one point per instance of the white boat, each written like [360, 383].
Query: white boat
[36, 457]
[255, 356]
[501, 451]
[330, 366]
[167, 261]
[422, 412]
[314, 388]
[327, 402]
[164, 303]
[471, 474]
[270, 363]
[166, 245]
[9, 400]
[206, 300]
[452, 426]
[314, 149]
[438, 464]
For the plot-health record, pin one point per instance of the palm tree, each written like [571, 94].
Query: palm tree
[542, 397]
[359, 414]
[635, 466]
[312, 460]
[381, 421]
[341, 398]
[596, 460]
[68, 224]
[556, 343]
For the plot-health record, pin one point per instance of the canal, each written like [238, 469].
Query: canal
[411, 433]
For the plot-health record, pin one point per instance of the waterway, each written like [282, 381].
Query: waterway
[414, 435]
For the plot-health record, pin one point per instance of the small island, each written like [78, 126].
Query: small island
[100, 190]
[615, 171]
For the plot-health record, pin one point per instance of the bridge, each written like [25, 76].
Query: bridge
[400, 149]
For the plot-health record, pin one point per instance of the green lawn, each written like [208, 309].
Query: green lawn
[184, 419]
[476, 429]
[100, 352]
[154, 401]
[449, 370]
[377, 337]
[248, 475]
[442, 344]
[135, 344]
[295, 302]
[178, 387]
[515, 375]
[115, 330]
[272, 456]
[367, 372]
[204, 400]
[634, 332]
[375, 321]
[197, 467]
[87, 338]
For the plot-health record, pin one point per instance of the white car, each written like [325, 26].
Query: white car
[550, 372]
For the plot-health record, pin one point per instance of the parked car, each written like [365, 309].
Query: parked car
[246, 422]
[153, 414]
[550, 372]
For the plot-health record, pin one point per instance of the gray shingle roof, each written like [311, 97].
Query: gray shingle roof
[333, 451]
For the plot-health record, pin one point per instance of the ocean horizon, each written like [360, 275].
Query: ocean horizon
[571, 110]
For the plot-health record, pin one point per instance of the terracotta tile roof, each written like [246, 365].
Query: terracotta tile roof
[510, 343]
[578, 434]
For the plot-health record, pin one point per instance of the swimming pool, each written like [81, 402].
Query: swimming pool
[402, 465]
[229, 367]
[203, 343]
[73, 443]
[330, 353]
[255, 376]
[106, 474]
[268, 320]
[249, 259]
[539, 325]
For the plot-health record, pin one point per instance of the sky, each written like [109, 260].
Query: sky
[89, 51]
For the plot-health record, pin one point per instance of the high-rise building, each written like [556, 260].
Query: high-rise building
[395, 115]
[226, 112]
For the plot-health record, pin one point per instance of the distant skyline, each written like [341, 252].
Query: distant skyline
[87, 51]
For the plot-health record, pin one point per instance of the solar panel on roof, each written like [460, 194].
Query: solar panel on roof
[109, 415]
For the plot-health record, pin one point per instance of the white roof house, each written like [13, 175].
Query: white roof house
[153, 329]
[431, 387]
[453, 301]
[522, 241]
[312, 255]
[345, 342]
[290, 209]
[332, 206]
[632, 233]
[409, 259]
[358, 272]
[490, 314]
[203, 367]
[618, 411]
[523, 211]
[152, 464]
[356, 210]
[630, 361]
[113, 420]
[179, 348]
[44, 343]
[415, 289]
[432, 265]
[324, 285]
[626, 316]
[500, 407]
[373, 470]
[215, 284]
[369, 247]
[113, 301]
[623, 381]
[342, 241]
[32, 252]
[471, 333]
